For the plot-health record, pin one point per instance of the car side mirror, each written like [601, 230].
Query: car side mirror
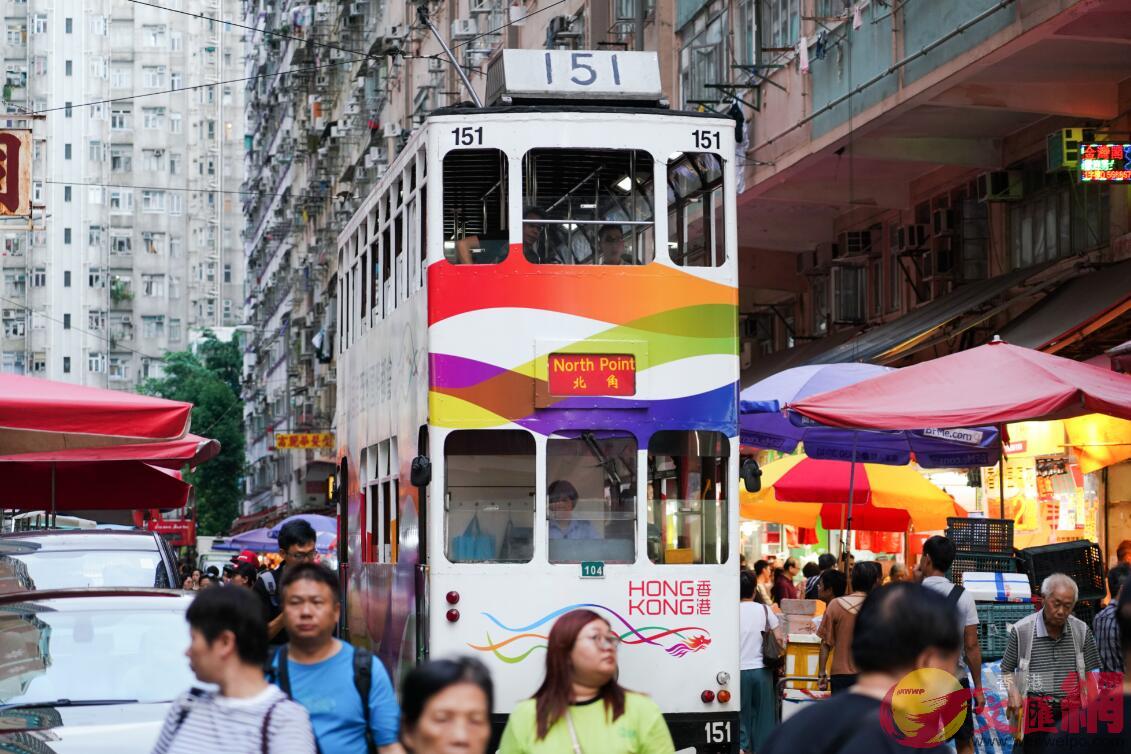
[751, 475]
[421, 473]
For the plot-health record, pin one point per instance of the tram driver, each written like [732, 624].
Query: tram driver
[562, 498]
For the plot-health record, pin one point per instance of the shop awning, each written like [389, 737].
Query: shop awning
[888, 342]
[1076, 311]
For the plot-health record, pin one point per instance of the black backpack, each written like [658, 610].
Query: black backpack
[278, 672]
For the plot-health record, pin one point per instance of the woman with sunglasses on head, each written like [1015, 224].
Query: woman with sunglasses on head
[580, 708]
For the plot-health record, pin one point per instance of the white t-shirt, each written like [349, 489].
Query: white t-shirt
[751, 623]
[967, 610]
[202, 721]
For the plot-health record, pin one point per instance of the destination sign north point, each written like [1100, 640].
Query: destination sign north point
[592, 374]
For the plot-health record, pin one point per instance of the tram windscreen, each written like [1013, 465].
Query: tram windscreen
[591, 497]
[489, 496]
[696, 210]
[687, 497]
[588, 206]
[475, 206]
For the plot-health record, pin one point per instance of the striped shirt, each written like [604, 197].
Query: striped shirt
[1053, 661]
[203, 721]
[1106, 628]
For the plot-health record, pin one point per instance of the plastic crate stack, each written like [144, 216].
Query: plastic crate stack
[985, 545]
[1081, 560]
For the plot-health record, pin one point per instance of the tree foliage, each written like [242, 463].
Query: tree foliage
[209, 379]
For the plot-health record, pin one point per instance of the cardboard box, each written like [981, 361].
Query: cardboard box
[997, 587]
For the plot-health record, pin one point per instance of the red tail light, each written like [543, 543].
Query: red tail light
[724, 696]
[452, 597]
[707, 696]
[453, 615]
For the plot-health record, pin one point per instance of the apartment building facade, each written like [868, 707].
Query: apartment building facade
[137, 166]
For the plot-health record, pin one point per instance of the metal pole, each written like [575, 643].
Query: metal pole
[1001, 471]
[53, 515]
[422, 15]
[851, 489]
[638, 25]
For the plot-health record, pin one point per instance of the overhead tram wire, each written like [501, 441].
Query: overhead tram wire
[308, 69]
[107, 338]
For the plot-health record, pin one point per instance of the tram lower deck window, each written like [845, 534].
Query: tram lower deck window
[489, 496]
[475, 206]
[687, 497]
[591, 497]
[587, 206]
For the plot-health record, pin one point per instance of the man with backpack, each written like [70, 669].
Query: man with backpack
[938, 555]
[346, 690]
[245, 715]
[297, 541]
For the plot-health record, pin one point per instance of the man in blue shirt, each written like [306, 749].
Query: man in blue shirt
[321, 673]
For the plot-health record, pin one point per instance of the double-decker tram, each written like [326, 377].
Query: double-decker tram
[537, 387]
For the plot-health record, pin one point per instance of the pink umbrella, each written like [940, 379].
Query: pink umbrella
[992, 384]
[190, 450]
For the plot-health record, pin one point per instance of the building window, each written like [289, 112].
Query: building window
[96, 278]
[68, 110]
[121, 159]
[95, 362]
[227, 309]
[174, 164]
[68, 68]
[152, 117]
[153, 76]
[176, 203]
[153, 327]
[174, 286]
[39, 277]
[96, 320]
[120, 244]
[153, 286]
[119, 368]
[67, 236]
[13, 362]
[702, 61]
[120, 119]
[39, 24]
[176, 80]
[94, 236]
[781, 26]
[175, 123]
[121, 201]
[176, 245]
[174, 330]
[153, 159]
[227, 273]
[176, 41]
[66, 193]
[15, 323]
[66, 321]
[152, 201]
[66, 151]
[153, 243]
[94, 152]
[66, 365]
[120, 76]
[153, 36]
[68, 25]
[1057, 218]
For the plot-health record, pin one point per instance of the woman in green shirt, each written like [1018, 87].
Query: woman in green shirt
[580, 708]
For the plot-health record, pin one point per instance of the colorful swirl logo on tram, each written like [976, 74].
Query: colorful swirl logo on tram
[677, 642]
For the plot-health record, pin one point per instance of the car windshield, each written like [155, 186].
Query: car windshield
[67, 569]
[92, 655]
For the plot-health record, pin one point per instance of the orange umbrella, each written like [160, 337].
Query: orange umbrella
[797, 490]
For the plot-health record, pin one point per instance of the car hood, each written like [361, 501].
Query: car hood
[108, 729]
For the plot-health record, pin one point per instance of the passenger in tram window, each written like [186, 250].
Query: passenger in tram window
[562, 498]
[610, 246]
[536, 245]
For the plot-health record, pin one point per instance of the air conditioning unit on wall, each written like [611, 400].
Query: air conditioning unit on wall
[1000, 186]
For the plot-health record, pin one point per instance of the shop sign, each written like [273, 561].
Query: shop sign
[179, 533]
[303, 440]
[965, 436]
[1105, 163]
[15, 173]
[592, 374]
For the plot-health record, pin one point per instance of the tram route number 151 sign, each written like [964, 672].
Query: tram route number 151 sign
[592, 374]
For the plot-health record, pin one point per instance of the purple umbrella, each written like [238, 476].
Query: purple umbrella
[320, 523]
[762, 424]
[258, 540]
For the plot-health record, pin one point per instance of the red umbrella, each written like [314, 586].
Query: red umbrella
[190, 450]
[992, 384]
[85, 485]
[37, 414]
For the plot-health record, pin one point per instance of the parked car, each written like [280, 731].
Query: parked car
[85, 558]
[90, 670]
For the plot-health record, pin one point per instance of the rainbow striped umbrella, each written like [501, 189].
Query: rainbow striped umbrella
[797, 490]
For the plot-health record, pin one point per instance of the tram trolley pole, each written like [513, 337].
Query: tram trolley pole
[422, 15]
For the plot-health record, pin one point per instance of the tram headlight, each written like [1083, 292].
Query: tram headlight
[723, 678]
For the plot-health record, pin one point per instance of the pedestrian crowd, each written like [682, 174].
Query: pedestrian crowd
[281, 682]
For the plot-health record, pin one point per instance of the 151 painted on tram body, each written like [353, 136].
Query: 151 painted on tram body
[537, 387]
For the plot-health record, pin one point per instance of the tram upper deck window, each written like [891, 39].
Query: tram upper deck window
[696, 231]
[475, 206]
[591, 497]
[489, 496]
[687, 497]
[587, 206]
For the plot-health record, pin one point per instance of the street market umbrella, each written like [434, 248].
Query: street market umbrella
[90, 485]
[261, 540]
[996, 383]
[797, 489]
[190, 450]
[38, 414]
[320, 523]
[762, 424]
